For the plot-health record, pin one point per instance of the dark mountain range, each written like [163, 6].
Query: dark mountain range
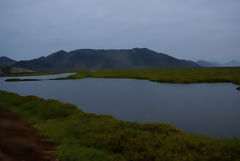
[5, 61]
[88, 59]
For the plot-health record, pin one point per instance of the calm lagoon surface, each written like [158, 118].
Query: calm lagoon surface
[209, 108]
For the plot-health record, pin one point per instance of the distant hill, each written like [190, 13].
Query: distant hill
[232, 63]
[13, 70]
[204, 63]
[88, 59]
[5, 61]
[7, 68]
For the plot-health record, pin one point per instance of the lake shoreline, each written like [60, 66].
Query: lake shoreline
[163, 101]
[176, 76]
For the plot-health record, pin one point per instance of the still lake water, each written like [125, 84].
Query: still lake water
[211, 109]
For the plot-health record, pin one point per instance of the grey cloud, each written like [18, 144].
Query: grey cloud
[188, 29]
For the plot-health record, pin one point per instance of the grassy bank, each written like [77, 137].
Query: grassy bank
[31, 74]
[91, 137]
[188, 75]
[193, 75]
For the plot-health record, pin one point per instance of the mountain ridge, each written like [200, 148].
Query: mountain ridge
[5, 61]
[94, 59]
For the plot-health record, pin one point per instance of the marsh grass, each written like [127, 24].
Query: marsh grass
[180, 76]
[188, 75]
[183, 76]
[91, 137]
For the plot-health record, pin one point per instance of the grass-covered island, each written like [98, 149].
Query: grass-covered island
[89, 137]
[19, 80]
[30, 74]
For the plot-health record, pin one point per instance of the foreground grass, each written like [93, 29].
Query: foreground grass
[91, 137]
[188, 75]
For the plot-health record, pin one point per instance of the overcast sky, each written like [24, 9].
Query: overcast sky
[186, 29]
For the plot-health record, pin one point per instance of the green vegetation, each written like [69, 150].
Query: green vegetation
[188, 75]
[17, 80]
[91, 137]
[238, 88]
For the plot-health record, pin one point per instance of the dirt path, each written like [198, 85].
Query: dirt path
[19, 141]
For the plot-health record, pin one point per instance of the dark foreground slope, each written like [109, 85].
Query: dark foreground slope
[20, 141]
[92, 137]
[88, 59]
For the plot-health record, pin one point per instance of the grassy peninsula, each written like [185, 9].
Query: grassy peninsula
[188, 75]
[84, 136]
